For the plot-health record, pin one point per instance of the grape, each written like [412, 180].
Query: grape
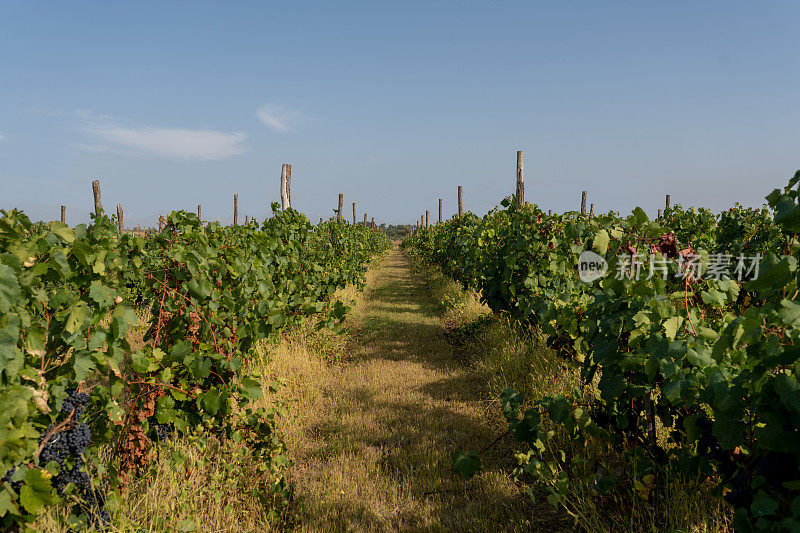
[632, 424]
[740, 495]
[15, 485]
[66, 448]
[600, 417]
[75, 400]
[162, 431]
[707, 443]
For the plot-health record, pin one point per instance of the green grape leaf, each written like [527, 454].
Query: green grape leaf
[63, 231]
[672, 326]
[37, 491]
[9, 288]
[140, 362]
[252, 388]
[101, 294]
[211, 401]
[466, 465]
[600, 242]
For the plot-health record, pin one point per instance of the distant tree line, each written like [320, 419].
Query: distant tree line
[396, 232]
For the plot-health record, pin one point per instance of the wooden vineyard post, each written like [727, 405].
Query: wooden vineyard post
[427, 218]
[591, 210]
[246, 220]
[460, 202]
[98, 205]
[320, 221]
[520, 178]
[63, 213]
[440, 210]
[583, 202]
[421, 221]
[235, 209]
[659, 213]
[667, 201]
[120, 224]
[365, 220]
[549, 212]
[286, 186]
[289, 183]
[354, 214]
[339, 211]
[200, 211]
[286, 173]
[373, 223]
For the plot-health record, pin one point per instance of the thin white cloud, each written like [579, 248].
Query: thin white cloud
[192, 145]
[2, 136]
[278, 117]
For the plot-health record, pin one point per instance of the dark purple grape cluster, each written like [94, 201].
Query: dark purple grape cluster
[707, 443]
[740, 493]
[74, 400]
[66, 448]
[162, 431]
[15, 485]
[56, 449]
[601, 417]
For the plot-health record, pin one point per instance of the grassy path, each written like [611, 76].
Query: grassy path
[373, 452]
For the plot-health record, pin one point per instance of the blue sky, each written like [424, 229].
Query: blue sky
[172, 104]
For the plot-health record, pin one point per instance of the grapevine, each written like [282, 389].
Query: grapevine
[715, 359]
[70, 383]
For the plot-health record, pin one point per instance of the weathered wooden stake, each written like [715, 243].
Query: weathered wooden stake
[98, 205]
[286, 176]
[120, 224]
[421, 220]
[659, 213]
[246, 219]
[199, 212]
[667, 200]
[354, 213]
[549, 212]
[365, 220]
[520, 178]
[583, 203]
[591, 210]
[339, 211]
[373, 222]
[235, 209]
[440, 210]
[427, 218]
[63, 213]
[320, 220]
[460, 202]
[289, 183]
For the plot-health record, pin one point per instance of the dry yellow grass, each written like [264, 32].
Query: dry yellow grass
[373, 437]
